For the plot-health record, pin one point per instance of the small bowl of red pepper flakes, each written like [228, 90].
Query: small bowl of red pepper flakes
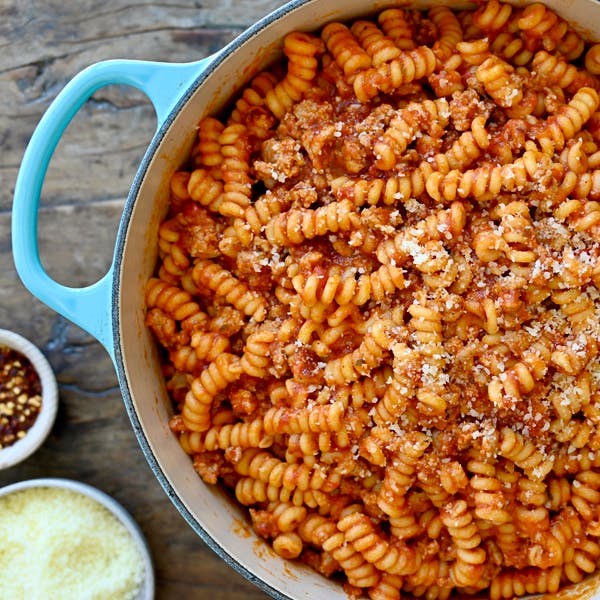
[28, 398]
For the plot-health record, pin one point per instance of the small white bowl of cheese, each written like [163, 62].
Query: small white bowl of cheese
[71, 541]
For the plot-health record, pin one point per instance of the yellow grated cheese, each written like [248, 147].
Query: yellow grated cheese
[56, 543]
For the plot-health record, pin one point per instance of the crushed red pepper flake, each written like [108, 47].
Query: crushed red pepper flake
[20, 395]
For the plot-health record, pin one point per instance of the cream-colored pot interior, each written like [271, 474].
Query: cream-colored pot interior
[207, 509]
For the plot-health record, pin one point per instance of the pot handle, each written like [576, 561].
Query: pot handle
[88, 307]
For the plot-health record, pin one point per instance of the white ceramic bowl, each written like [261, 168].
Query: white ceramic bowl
[38, 432]
[146, 591]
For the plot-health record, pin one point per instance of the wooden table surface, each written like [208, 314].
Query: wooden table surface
[43, 44]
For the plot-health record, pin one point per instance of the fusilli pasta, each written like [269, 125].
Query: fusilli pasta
[377, 302]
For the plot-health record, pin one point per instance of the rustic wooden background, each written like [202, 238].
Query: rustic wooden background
[43, 43]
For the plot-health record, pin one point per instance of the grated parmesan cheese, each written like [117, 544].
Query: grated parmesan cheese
[56, 543]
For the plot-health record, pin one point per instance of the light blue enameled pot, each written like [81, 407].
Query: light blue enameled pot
[112, 309]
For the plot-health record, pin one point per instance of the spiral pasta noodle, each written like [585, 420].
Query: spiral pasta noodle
[240, 435]
[403, 128]
[298, 225]
[231, 289]
[346, 49]
[492, 16]
[236, 178]
[511, 48]
[592, 59]
[467, 570]
[538, 23]
[359, 531]
[401, 475]
[497, 77]
[449, 31]
[175, 302]
[380, 48]
[207, 152]
[253, 96]
[570, 118]
[395, 25]
[377, 302]
[300, 48]
[215, 378]
[326, 418]
[321, 532]
[250, 491]
[406, 68]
